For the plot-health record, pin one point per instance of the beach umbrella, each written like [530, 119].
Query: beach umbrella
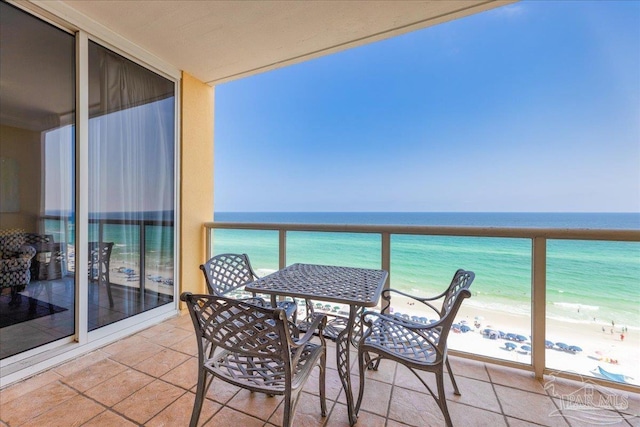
[521, 338]
[494, 335]
[510, 346]
[502, 334]
[465, 328]
[423, 320]
[548, 344]
[511, 336]
[562, 346]
[415, 318]
[526, 348]
[575, 349]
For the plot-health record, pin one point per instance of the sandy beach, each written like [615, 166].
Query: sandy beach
[598, 348]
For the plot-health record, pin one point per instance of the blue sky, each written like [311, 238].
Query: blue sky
[532, 107]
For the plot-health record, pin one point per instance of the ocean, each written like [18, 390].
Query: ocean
[586, 280]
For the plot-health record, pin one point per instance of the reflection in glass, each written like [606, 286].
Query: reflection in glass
[37, 130]
[131, 188]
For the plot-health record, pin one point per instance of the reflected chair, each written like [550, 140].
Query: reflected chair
[253, 348]
[415, 345]
[15, 263]
[227, 274]
[99, 265]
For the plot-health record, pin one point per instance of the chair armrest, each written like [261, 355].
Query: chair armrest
[26, 251]
[387, 298]
[319, 323]
[366, 316]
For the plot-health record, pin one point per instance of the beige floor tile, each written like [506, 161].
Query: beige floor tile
[118, 388]
[385, 373]
[187, 346]
[125, 344]
[529, 406]
[340, 418]
[257, 405]
[220, 391]
[514, 422]
[93, 375]
[162, 362]
[333, 386]
[109, 419]
[36, 402]
[149, 401]
[184, 375]
[515, 378]
[468, 416]
[468, 368]
[179, 412]
[80, 363]
[228, 417]
[157, 330]
[475, 393]
[73, 412]
[172, 337]
[414, 409]
[376, 397]
[579, 414]
[21, 388]
[307, 413]
[134, 354]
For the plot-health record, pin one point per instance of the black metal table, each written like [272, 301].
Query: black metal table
[356, 287]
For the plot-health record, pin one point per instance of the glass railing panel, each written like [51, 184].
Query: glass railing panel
[260, 245]
[330, 248]
[497, 317]
[593, 308]
[159, 261]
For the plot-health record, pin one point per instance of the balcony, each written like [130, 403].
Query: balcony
[149, 379]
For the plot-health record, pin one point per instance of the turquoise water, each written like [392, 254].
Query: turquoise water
[585, 279]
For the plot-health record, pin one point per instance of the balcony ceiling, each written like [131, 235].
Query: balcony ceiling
[218, 41]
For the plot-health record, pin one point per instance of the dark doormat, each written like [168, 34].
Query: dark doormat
[28, 309]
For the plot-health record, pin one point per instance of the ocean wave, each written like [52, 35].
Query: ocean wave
[573, 306]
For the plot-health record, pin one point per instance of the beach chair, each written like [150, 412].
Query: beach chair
[417, 346]
[226, 274]
[254, 348]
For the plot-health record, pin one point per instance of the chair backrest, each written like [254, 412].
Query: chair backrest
[99, 261]
[225, 273]
[458, 290]
[238, 327]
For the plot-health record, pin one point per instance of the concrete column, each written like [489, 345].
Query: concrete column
[196, 179]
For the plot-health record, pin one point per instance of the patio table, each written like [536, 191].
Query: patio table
[356, 287]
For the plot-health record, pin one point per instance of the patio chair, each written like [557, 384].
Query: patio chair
[253, 348]
[229, 273]
[415, 345]
[99, 265]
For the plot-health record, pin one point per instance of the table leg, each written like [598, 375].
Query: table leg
[343, 363]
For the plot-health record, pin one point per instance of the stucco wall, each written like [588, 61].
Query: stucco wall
[196, 179]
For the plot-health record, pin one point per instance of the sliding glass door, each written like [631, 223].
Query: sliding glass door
[131, 188]
[131, 147]
[37, 182]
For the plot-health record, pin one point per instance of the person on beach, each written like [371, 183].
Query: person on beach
[621, 337]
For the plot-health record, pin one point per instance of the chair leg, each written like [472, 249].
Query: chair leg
[363, 362]
[201, 392]
[322, 384]
[442, 400]
[288, 404]
[108, 284]
[453, 380]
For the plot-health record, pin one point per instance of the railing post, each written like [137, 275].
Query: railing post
[282, 248]
[538, 304]
[386, 257]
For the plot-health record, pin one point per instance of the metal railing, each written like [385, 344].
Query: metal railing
[537, 236]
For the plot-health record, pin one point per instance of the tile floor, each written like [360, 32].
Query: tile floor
[149, 379]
